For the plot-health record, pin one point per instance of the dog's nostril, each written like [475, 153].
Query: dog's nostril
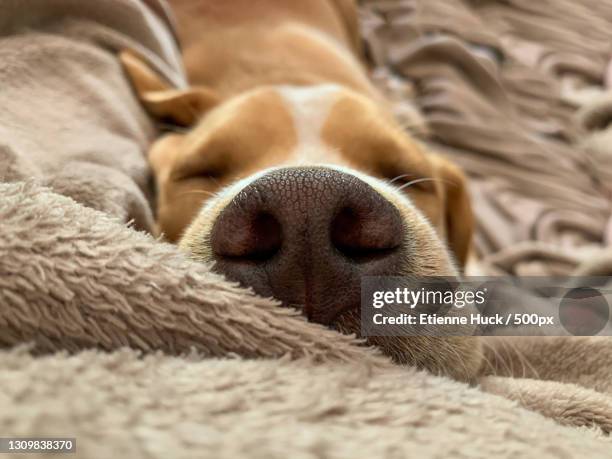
[256, 239]
[267, 235]
[362, 236]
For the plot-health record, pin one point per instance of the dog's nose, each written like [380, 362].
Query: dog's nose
[306, 236]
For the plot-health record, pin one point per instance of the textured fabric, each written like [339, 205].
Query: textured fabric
[111, 24]
[120, 405]
[73, 278]
[567, 379]
[69, 119]
[514, 92]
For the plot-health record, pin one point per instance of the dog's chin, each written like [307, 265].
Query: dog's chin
[457, 357]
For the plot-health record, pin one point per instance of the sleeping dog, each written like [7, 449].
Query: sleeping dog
[288, 172]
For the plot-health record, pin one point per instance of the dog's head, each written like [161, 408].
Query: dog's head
[299, 192]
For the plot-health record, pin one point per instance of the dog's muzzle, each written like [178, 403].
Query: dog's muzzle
[306, 236]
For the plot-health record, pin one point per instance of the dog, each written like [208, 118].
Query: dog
[286, 170]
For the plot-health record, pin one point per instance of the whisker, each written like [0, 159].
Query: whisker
[458, 359]
[512, 353]
[399, 177]
[204, 192]
[497, 360]
[526, 364]
[488, 367]
[427, 179]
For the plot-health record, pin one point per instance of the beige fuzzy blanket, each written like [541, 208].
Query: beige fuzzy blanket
[116, 339]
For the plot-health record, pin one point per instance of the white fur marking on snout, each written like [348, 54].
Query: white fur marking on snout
[310, 107]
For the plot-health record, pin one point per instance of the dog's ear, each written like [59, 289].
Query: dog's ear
[458, 215]
[178, 106]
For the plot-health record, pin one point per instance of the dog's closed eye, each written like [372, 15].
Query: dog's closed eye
[170, 127]
[209, 172]
[204, 163]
